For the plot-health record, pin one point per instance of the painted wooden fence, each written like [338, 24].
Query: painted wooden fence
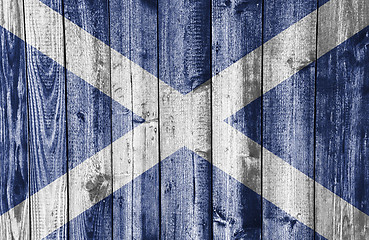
[179, 119]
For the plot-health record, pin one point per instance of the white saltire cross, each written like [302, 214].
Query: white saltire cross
[228, 155]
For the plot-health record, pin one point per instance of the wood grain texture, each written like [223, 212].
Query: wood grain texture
[146, 194]
[47, 115]
[288, 120]
[236, 28]
[13, 124]
[89, 119]
[342, 78]
[185, 120]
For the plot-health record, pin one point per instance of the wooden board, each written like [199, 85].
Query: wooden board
[136, 89]
[236, 31]
[342, 78]
[89, 120]
[13, 124]
[288, 119]
[185, 118]
[47, 117]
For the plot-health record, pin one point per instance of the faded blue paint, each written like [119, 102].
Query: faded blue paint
[46, 84]
[236, 31]
[322, 2]
[280, 14]
[90, 113]
[243, 222]
[184, 43]
[277, 224]
[13, 122]
[133, 26]
[185, 196]
[342, 128]
[236, 209]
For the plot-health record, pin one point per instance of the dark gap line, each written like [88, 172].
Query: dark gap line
[211, 122]
[111, 128]
[315, 111]
[28, 123]
[66, 117]
[132, 139]
[262, 116]
[159, 129]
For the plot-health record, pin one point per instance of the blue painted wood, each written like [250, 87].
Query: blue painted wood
[89, 123]
[288, 132]
[185, 185]
[119, 17]
[236, 31]
[236, 209]
[13, 123]
[184, 43]
[144, 51]
[89, 131]
[288, 117]
[342, 126]
[280, 14]
[288, 114]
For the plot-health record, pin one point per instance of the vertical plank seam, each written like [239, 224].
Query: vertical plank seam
[111, 127]
[159, 125]
[132, 113]
[28, 127]
[315, 98]
[66, 117]
[211, 121]
[261, 118]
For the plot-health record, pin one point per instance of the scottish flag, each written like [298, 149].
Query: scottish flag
[179, 119]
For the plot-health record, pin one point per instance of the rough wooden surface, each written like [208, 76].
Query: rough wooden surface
[13, 124]
[185, 120]
[138, 151]
[89, 120]
[122, 151]
[47, 115]
[342, 78]
[236, 29]
[288, 120]
[145, 98]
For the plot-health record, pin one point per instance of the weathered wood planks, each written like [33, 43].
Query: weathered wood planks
[145, 98]
[122, 151]
[190, 121]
